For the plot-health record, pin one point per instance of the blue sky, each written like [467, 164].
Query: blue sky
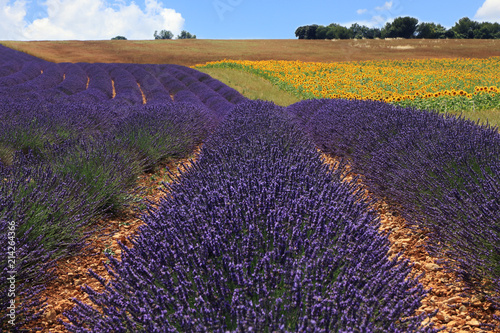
[217, 19]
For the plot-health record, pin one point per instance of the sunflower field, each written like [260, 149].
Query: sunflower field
[439, 84]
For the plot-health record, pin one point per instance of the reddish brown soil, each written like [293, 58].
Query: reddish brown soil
[144, 99]
[192, 52]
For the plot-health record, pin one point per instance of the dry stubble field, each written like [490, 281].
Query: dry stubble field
[192, 52]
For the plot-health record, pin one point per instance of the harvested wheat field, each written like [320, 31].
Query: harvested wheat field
[193, 52]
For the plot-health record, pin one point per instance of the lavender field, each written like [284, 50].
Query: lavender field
[259, 233]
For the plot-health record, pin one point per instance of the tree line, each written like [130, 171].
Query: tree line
[403, 27]
[167, 34]
[164, 34]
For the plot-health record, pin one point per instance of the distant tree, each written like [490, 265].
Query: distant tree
[404, 27]
[450, 33]
[465, 28]
[431, 31]
[164, 34]
[311, 31]
[439, 31]
[374, 33]
[359, 31]
[185, 35]
[424, 30]
[321, 32]
[337, 31]
[119, 38]
[487, 30]
[300, 32]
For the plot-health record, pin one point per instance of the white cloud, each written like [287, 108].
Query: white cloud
[88, 19]
[378, 20]
[374, 22]
[387, 6]
[489, 11]
[379, 15]
[12, 19]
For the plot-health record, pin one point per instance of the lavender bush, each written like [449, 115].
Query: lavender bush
[107, 169]
[164, 131]
[41, 219]
[21, 129]
[443, 171]
[74, 82]
[258, 235]
[171, 84]
[127, 90]
[152, 88]
[50, 208]
[99, 81]
[69, 153]
[8, 67]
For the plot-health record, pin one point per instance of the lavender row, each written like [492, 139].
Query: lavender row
[62, 166]
[35, 79]
[41, 218]
[258, 235]
[181, 77]
[443, 171]
[29, 71]
[93, 83]
[35, 89]
[126, 87]
[9, 67]
[152, 88]
[99, 81]
[75, 79]
[8, 54]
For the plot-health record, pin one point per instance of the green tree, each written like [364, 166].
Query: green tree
[404, 27]
[311, 31]
[321, 32]
[359, 31]
[373, 33]
[465, 28]
[430, 31]
[300, 32]
[337, 31]
[164, 34]
[119, 38]
[487, 30]
[186, 35]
